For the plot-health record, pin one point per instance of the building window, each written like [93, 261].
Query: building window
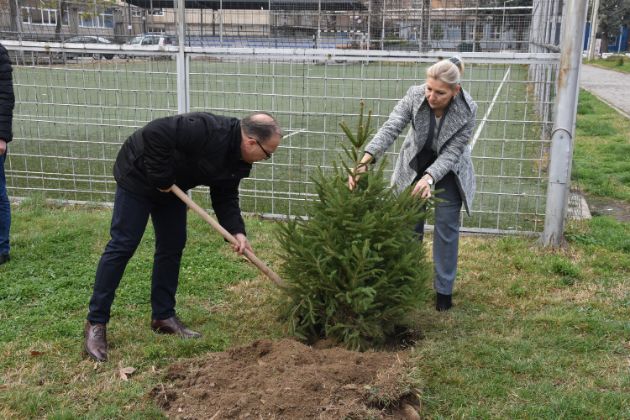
[36, 16]
[101, 20]
[157, 12]
[26, 15]
[49, 16]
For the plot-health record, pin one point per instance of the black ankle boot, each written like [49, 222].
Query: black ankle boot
[443, 302]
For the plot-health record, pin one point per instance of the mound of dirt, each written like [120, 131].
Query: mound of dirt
[289, 380]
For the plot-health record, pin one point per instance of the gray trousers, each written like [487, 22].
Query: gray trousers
[445, 234]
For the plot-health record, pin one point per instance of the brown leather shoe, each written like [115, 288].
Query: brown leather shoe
[173, 325]
[96, 341]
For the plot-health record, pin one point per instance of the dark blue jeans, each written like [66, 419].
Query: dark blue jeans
[129, 221]
[445, 234]
[5, 210]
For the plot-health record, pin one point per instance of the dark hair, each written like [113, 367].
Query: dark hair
[261, 125]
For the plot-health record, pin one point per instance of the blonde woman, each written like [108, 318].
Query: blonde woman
[434, 155]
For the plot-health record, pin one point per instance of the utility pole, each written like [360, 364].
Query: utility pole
[221, 23]
[319, 24]
[594, 23]
[383, 26]
[150, 15]
[369, 35]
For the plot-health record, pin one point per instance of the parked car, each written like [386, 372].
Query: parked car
[88, 39]
[151, 39]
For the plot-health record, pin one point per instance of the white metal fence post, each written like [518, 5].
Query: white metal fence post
[183, 96]
[564, 124]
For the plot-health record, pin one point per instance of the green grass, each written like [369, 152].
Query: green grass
[534, 334]
[600, 161]
[43, 301]
[70, 121]
[614, 62]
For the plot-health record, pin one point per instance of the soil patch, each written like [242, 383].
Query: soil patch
[289, 380]
[606, 206]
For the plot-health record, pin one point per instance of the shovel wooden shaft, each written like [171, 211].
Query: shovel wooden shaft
[227, 235]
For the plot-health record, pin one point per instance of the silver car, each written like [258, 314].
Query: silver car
[88, 39]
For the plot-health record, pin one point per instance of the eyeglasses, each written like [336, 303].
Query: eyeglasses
[267, 154]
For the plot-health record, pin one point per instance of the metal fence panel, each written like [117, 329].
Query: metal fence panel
[310, 67]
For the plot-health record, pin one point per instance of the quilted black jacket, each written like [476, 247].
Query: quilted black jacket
[187, 150]
[7, 98]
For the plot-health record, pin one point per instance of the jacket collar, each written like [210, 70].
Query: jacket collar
[234, 149]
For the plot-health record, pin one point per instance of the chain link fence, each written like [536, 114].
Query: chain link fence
[308, 62]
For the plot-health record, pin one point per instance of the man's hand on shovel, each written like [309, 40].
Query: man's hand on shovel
[243, 244]
[240, 247]
[239, 241]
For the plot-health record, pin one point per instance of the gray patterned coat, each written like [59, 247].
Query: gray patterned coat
[452, 144]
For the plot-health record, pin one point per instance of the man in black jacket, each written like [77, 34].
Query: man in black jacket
[185, 150]
[7, 102]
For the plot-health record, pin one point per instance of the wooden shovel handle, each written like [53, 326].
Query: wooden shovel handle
[227, 235]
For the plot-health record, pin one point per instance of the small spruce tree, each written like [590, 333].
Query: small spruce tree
[355, 268]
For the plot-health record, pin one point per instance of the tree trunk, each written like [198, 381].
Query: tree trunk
[462, 35]
[62, 8]
[14, 16]
[425, 22]
[376, 21]
[604, 46]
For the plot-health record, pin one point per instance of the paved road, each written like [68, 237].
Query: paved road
[611, 86]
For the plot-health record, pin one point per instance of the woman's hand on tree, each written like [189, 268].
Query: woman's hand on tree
[422, 189]
[353, 178]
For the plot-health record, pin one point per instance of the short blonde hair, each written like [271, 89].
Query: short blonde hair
[445, 71]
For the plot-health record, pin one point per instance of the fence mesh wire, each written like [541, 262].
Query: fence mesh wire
[309, 63]
[416, 25]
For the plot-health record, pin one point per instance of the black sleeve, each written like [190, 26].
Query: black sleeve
[7, 97]
[160, 138]
[225, 202]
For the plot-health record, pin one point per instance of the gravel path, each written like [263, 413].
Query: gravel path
[612, 87]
